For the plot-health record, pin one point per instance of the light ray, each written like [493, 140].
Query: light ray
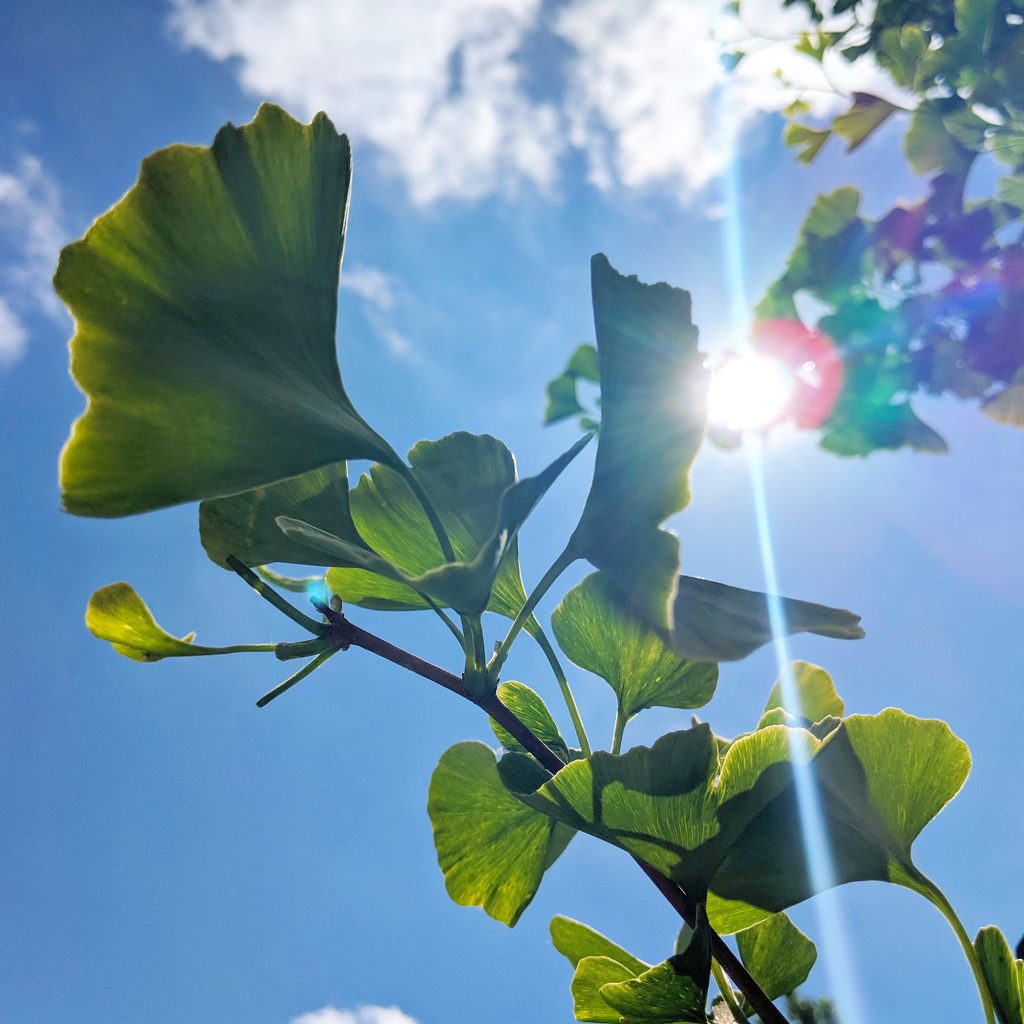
[835, 949]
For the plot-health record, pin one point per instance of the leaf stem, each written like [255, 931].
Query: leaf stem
[620, 728]
[931, 892]
[727, 993]
[560, 564]
[307, 669]
[271, 595]
[346, 633]
[563, 684]
[445, 618]
[431, 513]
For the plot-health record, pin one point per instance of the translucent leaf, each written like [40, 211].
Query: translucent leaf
[653, 393]
[806, 141]
[672, 804]
[117, 614]
[492, 848]
[777, 954]
[866, 115]
[1003, 974]
[531, 710]
[204, 305]
[716, 622]
[245, 525]
[471, 481]
[673, 992]
[815, 691]
[600, 632]
[928, 145]
[575, 940]
[881, 779]
[592, 974]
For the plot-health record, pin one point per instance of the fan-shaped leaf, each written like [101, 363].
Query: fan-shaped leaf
[653, 393]
[492, 848]
[205, 305]
[815, 693]
[601, 633]
[576, 940]
[777, 954]
[117, 614]
[531, 710]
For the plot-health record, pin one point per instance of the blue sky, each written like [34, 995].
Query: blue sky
[171, 854]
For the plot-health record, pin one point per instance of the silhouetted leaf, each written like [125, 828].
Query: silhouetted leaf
[653, 394]
[492, 848]
[599, 631]
[205, 305]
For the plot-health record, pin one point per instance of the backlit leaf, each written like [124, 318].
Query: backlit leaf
[117, 614]
[204, 305]
[866, 115]
[1004, 975]
[815, 692]
[575, 940]
[492, 848]
[599, 631]
[528, 707]
[777, 954]
[653, 395]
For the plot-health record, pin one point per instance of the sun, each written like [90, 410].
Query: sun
[749, 392]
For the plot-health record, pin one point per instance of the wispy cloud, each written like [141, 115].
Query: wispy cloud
[31, 234]
[371, 284]
[362, 1015]
[442, 90]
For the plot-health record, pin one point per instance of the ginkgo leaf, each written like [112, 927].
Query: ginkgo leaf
[1004, 975]
[815, 693]
[116, 613]
[531, 710]
[245, 525]
[600, 632]
[204, 305]
[777, 954]
[492, 848]
[716, 622]
[673, 804]
[471, 482]
[881, 779]
[865, 116]
[653, 397]
[576, 940]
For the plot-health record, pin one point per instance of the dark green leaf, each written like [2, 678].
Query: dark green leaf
[715, 622]
[117, 614]
[471, 481]
[205, 307]
[673, 804]
[492, 848]
[653, 395]
[562, 400]
[881, 779]
[1003, 974]
[777, 954]
[528, 707]
[599, 631]
[245, 525]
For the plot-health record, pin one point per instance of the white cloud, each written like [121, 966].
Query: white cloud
[362, 1015]
[371, 284]
[32, 232]
[435, 87]
[440, 89]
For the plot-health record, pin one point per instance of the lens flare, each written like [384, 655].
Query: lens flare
[749, 392]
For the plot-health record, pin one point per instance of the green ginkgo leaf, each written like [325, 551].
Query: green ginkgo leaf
[881, 779]
[576, 940]
[653, 397]
[673, 804]
[491, 847]
[777, 954]
[245, 525]
[601, 633]
[470, 479]
[716, 622]
[815, 694]
[117, 614]
[1004, 975]
[205, 305]
[673, 992]
[592, 974]
[531, 710]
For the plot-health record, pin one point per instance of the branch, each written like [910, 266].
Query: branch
[345, 633]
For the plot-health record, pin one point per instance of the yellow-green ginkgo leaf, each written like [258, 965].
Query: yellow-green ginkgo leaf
[117, 614]
[204, 306]
[777, 954]
[491, 847]
[531, 710]
[815, 694]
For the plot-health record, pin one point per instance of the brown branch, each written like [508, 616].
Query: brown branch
[346, 633]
